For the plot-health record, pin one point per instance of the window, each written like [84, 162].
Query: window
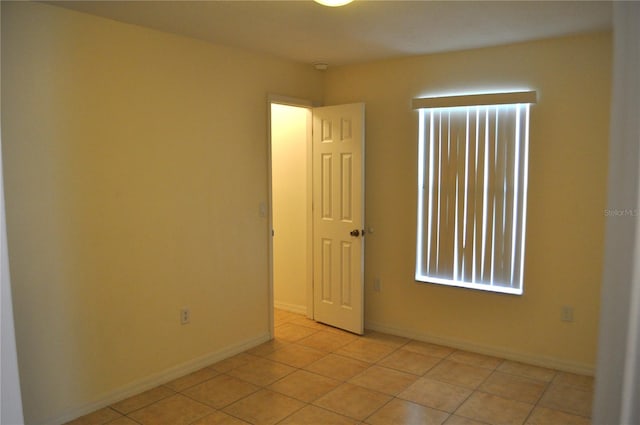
[472, 190]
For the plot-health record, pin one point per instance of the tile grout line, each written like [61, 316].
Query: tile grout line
[294, 320]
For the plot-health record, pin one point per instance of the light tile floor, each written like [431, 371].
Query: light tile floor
[318, 375]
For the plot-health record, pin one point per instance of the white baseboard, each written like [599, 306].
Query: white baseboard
[501, 352]
[156, 379]
[294, 308]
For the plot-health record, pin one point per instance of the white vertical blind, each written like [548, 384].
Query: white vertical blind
[472, 196]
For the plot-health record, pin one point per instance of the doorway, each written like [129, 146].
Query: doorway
[316, 193]
[291, 196]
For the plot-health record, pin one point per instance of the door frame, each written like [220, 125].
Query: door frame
[307, 104]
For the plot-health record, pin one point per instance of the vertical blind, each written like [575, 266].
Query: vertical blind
[472, 191]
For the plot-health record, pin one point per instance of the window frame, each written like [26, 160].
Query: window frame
[485, 101]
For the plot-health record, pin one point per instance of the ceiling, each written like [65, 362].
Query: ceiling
[365, 30]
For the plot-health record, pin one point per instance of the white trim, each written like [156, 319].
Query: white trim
[156, 379]
[309, 310]
[294, 308]
[501, 352]
[290, 101]
[506, 98]
[468, 285]
[270, 295]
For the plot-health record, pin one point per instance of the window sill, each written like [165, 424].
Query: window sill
[480, 287]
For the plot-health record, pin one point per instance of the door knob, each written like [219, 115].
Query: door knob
[355, 233]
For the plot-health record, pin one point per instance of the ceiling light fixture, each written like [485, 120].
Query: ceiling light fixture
[333, 3]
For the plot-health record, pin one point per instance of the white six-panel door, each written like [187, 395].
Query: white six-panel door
[338, 216]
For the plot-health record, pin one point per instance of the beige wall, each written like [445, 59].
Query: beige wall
[135, 164]
[290, 198]
[567, 175]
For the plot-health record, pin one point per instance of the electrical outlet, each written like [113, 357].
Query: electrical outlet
[566, 314]
[376, 284]
[185, 316]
